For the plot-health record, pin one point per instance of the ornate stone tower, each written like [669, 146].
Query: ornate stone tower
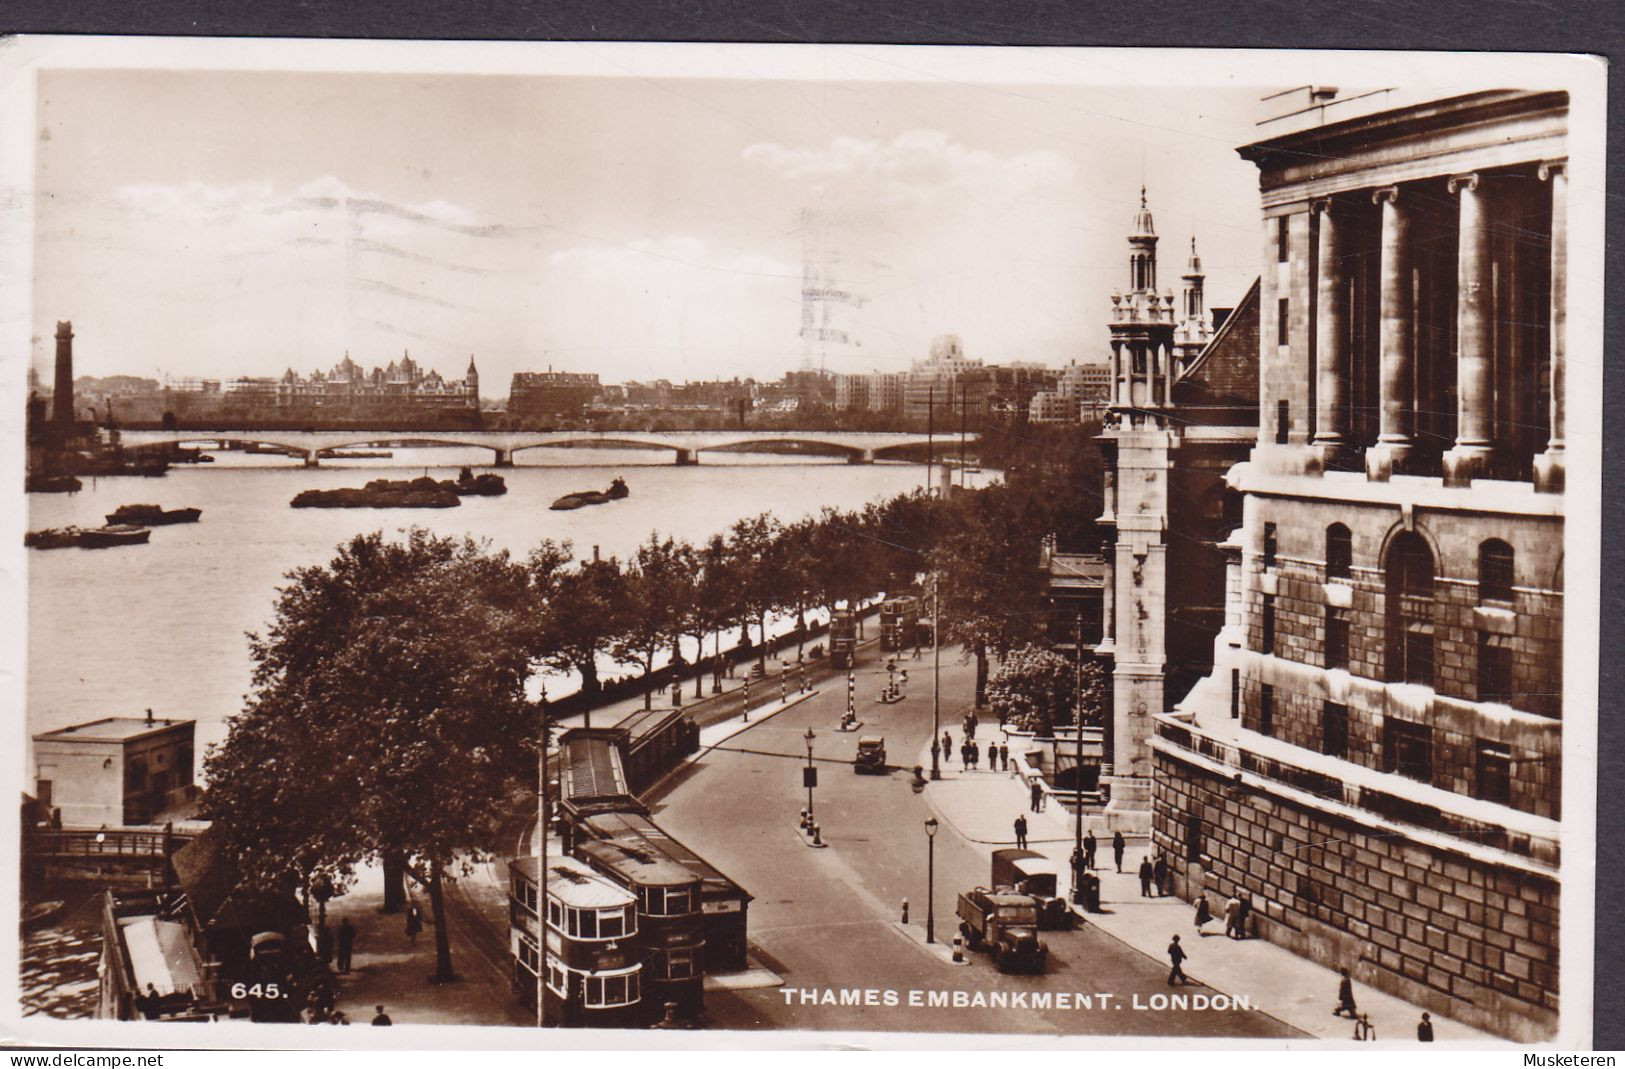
[1194, 331]
[471, 381]
[1138, 439]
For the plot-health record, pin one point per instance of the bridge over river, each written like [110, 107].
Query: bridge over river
[858, 447]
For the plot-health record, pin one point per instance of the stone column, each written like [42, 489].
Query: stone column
[1474, 336]
[1549, 466]
[1397, 427]
[1331, 353]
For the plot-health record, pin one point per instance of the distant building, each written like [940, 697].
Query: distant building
[887, 391]
[350, 388]
[551, 394]
[115, 771]
[947, 382]
[1080, 390]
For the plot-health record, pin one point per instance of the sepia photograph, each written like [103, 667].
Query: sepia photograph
[760, 540]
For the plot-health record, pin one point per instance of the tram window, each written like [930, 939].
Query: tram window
[555, 914]
[611, 990]
[584, 923]
[611, 923]
[679, 902]
[679, 964]
[557, 978]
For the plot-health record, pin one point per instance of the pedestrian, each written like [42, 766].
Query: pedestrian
[346, 944]
[1242, 914]
[1021, 831]
[970, 725]
[1203, 913]
[1424, 1029]
[1176, 954]
[1145, 878]
[414, 923]
[1160, 875]
[1345, 995]
[1232, 910]
[1119, 848]
[382, 1018]
[1363, 1030]
[947, 745]
[150, 1004]
[1004, 757]
[324, 943]
[1089, 850]
[964, 755]
[975, 751]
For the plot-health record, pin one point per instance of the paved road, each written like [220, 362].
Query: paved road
[823, 919]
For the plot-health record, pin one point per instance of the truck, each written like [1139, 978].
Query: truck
[1005, 922]
[871, 756]
[843, 638]
[1031, 873]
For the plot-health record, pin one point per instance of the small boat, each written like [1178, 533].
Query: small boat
[39, 914]
[53, 484]
[52, 538]
[118, 534]
[152, 515]
[355, 454]
[114, 534]
[616, 491]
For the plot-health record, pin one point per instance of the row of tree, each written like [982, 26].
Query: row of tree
[389, 718]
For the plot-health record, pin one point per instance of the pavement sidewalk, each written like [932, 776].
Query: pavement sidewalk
[390, 969]
[981, 806]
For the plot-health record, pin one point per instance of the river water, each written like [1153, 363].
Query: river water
[113, 632]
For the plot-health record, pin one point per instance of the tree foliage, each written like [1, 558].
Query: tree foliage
[1034, 689]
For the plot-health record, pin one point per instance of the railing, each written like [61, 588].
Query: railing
[154, 845]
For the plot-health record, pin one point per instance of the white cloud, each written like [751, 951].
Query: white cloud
[917, 166]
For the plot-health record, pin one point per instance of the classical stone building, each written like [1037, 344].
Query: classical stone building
[1182, 410]
[1375, 759]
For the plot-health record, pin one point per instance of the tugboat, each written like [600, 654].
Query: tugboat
[616, 491]
[53, 484]
[152, 515]
[52, 538]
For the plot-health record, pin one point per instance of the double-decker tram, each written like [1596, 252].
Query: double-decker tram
[899, 623]
[594, 957]
[653, 742]
[669, 916]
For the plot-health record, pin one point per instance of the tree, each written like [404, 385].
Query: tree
[1035, 688]
[388, 719]
[759, 588]
[582, 614]
[655, 583]
[791, 559]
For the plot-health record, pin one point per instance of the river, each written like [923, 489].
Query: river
[113, 632]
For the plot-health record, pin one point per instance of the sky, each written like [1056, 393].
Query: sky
[222, 223]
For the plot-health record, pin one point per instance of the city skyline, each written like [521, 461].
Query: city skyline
[569, 225]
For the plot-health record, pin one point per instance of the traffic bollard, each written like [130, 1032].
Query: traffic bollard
[818, 839]
[905, 911]
[959, 953]
[744, 710]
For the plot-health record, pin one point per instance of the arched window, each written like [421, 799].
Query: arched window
[1495, 571]
[1410, 611]
[1339, 551]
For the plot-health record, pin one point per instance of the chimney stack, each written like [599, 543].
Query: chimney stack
[62, 400]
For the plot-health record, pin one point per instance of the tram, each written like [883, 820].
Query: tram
[899, 623]
[654, 742]
[669, 917]
[594, 956]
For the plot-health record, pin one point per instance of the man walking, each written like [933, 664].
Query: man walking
[1345, 995]
[1242, 913]
[1089, 850]
[1424, 1029]
[1119, 848]
[1232, 912]
[1160, 875]
[1176, 955]
[947, 745]
[1037, 802]
[1021, 832]
[1145, 877]
[346, 944]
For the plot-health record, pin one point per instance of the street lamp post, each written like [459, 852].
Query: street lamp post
[936, 672]
[1077, 770]
[931, 880]
[811, 775]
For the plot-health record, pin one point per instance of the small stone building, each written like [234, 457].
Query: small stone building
[117, 771]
